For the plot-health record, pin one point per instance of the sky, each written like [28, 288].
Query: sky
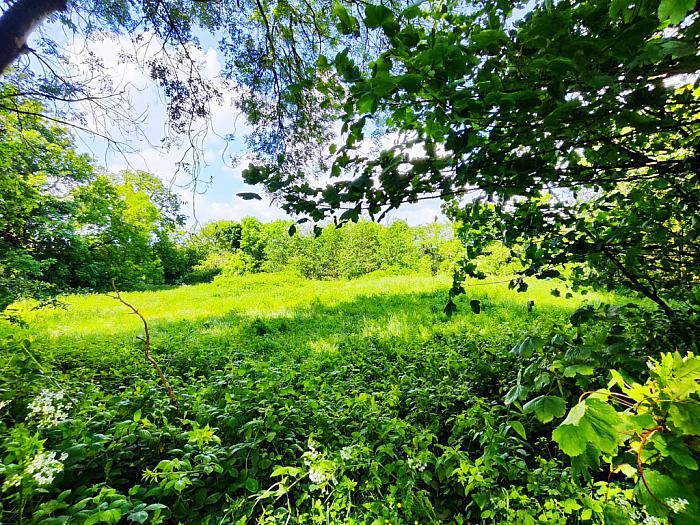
[143, 151]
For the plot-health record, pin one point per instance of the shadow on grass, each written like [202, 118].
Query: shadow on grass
[311, 332]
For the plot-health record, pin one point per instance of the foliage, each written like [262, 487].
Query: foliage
[303, 399]
[571, 129]
[324, 253]
[38, 164]
[128, 221]
[658, 428]
[567, 133]
[64, 226]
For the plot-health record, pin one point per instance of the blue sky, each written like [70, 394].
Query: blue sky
[214, 201]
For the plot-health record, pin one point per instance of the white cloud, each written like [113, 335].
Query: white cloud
[421, 213]
[141, 147]
[207, 207]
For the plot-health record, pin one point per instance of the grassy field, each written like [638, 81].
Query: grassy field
[354, 402]
[278, 316]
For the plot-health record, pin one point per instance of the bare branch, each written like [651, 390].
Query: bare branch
[147, 349]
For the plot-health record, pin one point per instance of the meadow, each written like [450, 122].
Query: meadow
[198, 328]
[302, 402]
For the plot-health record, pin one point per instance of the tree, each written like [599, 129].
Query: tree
[271, 51]
[39, 167]
[127, 223]
[62, 226]
[571, 131]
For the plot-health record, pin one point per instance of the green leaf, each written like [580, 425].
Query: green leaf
[105, 516]
[247, 196]
[526, 347]
[578, 353]
[154, 506]
[490, 39]
[139, 517]
[546, 408]
[377, 15]
[137, 415]
[685, 417]
[681, 455]
[581, 370]
[593, 422]
[518, 427]
[569, 439]
[675, 10]
[252, 484]
[347, 24]
[516, 393]
[581, 315]
[285, 471]
[685, 377]
[411, 82]
[367, 103]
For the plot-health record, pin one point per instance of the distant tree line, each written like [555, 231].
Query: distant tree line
[66, 225]
[228, 248]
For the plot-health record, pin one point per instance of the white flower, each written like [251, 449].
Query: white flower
[12, 481]
[49, 408]
[346, 453]
[312, 448]
[416, 464]
[44, 466]
[677, 504]
[317, 475]
[651, 520]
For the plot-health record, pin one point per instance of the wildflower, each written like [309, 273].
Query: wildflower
[44, 466]
[317, 475]
[346, 453]
[312, 447]
[651, 520]
[12, 481]
[49, 408]
[416, 464]
[677, 504]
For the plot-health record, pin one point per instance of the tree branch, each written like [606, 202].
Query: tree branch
[17, 24]
[147, 349]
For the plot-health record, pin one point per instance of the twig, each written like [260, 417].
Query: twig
[147, 349]
[645, 437]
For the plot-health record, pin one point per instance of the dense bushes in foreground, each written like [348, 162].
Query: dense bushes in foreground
[336, 404]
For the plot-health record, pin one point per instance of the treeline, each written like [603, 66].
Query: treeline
[228, 248]
[66, 225]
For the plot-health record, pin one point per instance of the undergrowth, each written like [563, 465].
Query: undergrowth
[354, 402]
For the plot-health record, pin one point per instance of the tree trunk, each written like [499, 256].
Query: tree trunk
[17, 23]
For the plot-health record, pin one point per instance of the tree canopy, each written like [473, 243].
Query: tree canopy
[571, 129]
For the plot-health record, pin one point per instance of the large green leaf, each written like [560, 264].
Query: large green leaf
[546, 408]
[675, 10]
[516, 393]
[526, 347]
[377, 15]
[685, 417]
[592, 421]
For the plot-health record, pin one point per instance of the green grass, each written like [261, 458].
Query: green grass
[401, 403]
[279, 316]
